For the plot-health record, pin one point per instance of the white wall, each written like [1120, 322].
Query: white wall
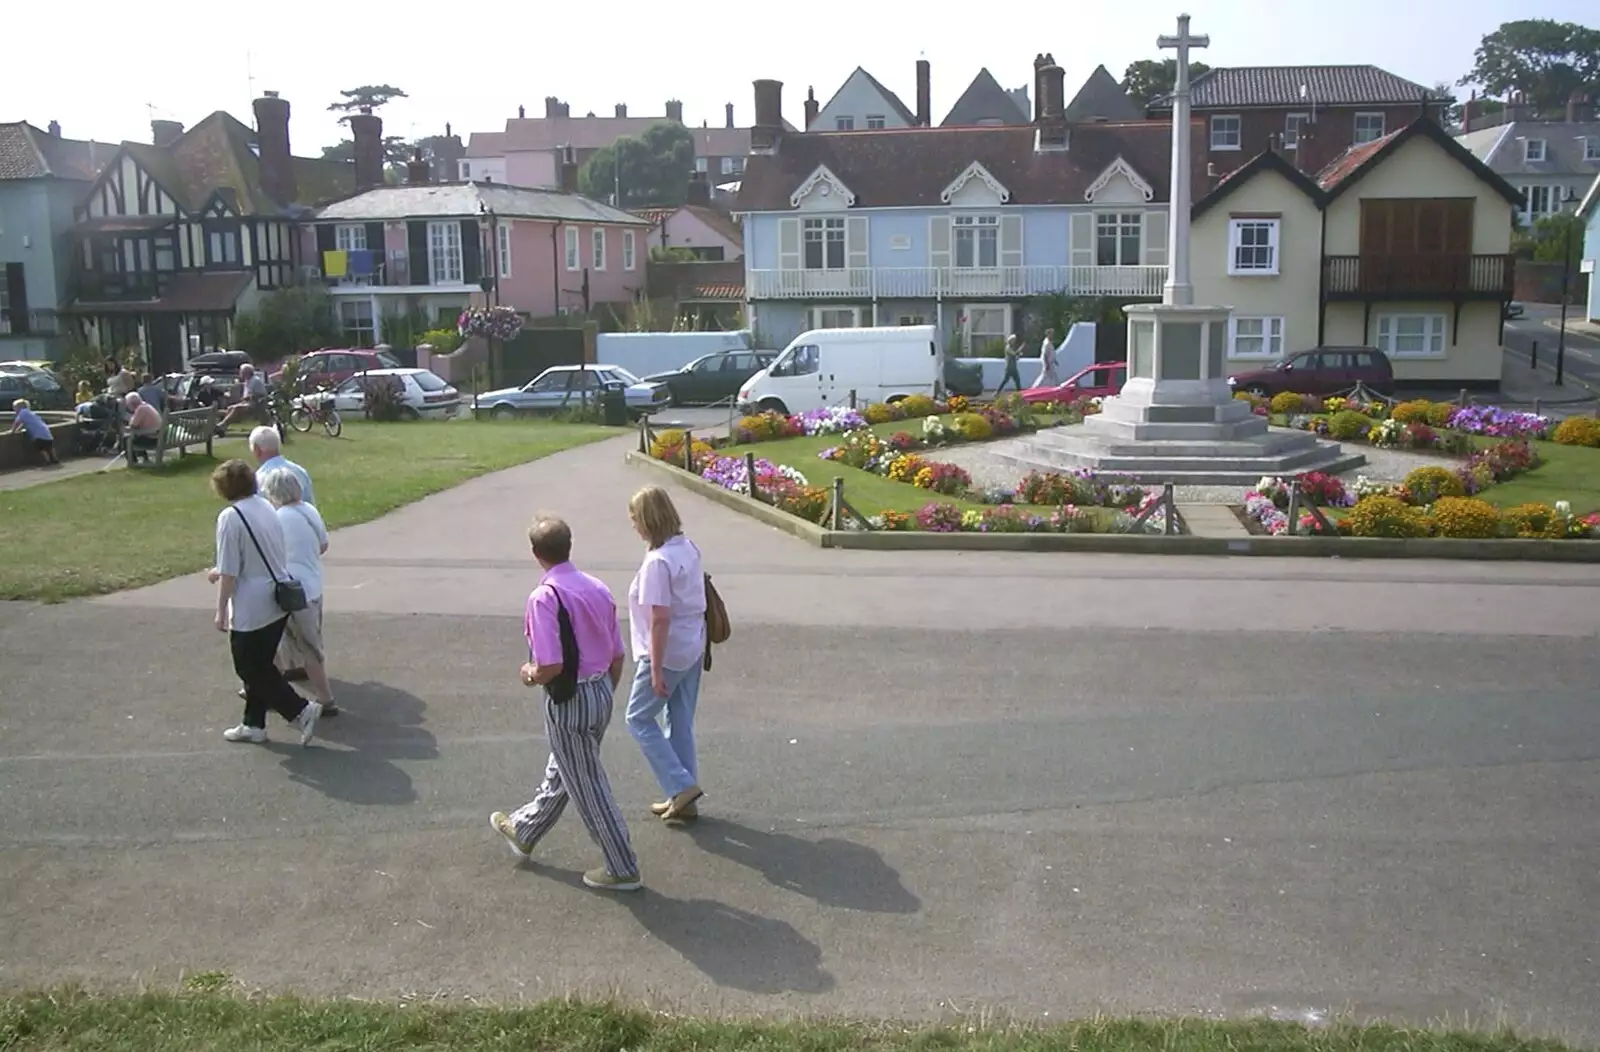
[857, 99]
[643, 353]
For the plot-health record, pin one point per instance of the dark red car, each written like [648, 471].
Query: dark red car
[331, 367]
[1100, 380]
[1321, 371]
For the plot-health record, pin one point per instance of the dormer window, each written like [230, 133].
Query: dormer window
[1591, 148]
[844, 124]
[1533, 150]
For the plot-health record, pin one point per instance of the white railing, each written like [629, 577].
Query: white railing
[948, 282]
[30, 323]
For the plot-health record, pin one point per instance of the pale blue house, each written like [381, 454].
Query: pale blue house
[43, 177]
[1589, 212]
[958, 227]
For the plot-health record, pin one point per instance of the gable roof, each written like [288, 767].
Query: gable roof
[1503, 148]
[1241, 87]
[913, 166]
[28, 153]
[986, 100]
[1349, 167]
[1590, 199]
[720, 222]
[1269, 161]
[1101, 97]
[470, 200]
[890, 98]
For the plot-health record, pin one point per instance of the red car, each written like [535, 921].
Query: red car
[331, 367]
[1321, 371]
[1100, 380]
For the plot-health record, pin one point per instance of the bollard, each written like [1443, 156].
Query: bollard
[1533, 356]
[1538, 407]
[1461, 400]
[688, 450]
[1171, 525]
[852, 398]
[836, 509]
[1294, 508]
[644, 435]
[750, 473]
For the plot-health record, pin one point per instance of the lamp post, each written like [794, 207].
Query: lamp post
[1566, 281]
[489, 229]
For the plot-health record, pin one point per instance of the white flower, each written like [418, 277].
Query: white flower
[1564, 509]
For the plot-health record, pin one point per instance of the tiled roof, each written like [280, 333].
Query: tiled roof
[1102, 97]
[912, 166]
[717, 292]
[524, 134]
[986, 100]
[1504, 148]
[185, 292]
[486, 144]
[29, 153]
[1269, 161]
[1348, 168]
[1246, 86]
[890, 98]
[654, 216]
[719, 221]
[1351, 161]
[469, 200]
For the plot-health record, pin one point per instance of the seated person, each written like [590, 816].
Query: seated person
[206, 393]
[121, 382]
[44, 443]
[252, 401]
[144, 426]
[85, 393]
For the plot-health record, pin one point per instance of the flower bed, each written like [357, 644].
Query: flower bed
[772, 426]
[947, 517]
[776, 484]
[1417, 424]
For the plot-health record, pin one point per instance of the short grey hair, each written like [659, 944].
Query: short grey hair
[280, 486]
[132, 400]
[266, 439]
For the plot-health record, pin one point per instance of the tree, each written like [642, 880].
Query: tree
[1543, 59]
[651, 170]
[288, 321]
[1552, 237]
[368, 96]
[1149, 79]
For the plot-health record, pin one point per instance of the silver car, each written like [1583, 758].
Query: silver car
[565, 386]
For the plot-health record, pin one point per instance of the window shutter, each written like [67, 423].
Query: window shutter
[1155, 239]
[327, 240]
[375, 241]
[1011, 241]
[417, 250]
[939, 242]
[857, 251]
[1082, 240]
[471, 252]
[788, 244]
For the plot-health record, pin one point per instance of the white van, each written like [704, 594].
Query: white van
[821, 367]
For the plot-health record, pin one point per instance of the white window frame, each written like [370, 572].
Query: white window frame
[912, 319]
[357, 321]
[502, 237]
[876, 122]
[1537, 192]
[1434, 330]
[1369, 115]
[444, 253]
[700, 164]
[628, 258]
[1528, 151]
[822, 230]
[1269, 336]
[1591, 148]
[350, 237]
[727, 166]
[597, 246]
[967, 334]
[1292, 123]
[1240, 266]
[818, 312]
[466, 170]
[1227, 131]
[574, 260]
[979, 230]
[1122, 225]
[844, 124]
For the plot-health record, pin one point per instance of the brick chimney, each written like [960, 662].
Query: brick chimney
[417, 173]
[1575, 103]
[522, 113]
[622, 109]
[366, 128]
[55, 129]
[1467, 109]
[565, 110]
[768, 125]
[1039, 63]
[924, 93]
[165, 133]
[1052, 105]
[729, 118]
[674, 110]
[811, 109]
[699, 189]
[272, 147]
[567, 168]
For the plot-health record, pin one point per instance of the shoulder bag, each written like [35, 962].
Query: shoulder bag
[718, 628]
[289, 594]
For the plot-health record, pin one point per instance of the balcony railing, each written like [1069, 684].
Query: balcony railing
[388, 271]
[954, 282]
[1447, 277]
[29, 323]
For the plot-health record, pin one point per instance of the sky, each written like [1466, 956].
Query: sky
[472, 66]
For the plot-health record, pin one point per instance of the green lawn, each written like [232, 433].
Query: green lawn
[100, 533]
[63, 1021]
[1569, 473]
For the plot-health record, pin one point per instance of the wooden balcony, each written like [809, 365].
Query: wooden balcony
[1431, 277]
[916, 283]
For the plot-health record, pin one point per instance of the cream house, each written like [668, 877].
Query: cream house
[1402, 244]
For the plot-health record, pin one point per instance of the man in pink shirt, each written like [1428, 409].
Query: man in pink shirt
[571, 619]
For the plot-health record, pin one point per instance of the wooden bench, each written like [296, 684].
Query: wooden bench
[179, 430]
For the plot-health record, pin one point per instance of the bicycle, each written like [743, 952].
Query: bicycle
[307, 411]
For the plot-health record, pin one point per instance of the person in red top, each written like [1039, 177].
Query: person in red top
[575, 726]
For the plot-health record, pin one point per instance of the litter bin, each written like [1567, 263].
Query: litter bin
[614, 403]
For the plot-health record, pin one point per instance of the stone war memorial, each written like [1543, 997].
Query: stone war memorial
[1176, 419]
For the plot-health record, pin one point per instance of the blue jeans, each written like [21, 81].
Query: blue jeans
[670, 754]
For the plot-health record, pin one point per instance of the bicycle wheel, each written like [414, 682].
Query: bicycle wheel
[300, 419]
[332, 424]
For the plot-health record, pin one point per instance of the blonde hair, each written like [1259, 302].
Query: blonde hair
[652, 509]
[19, 405]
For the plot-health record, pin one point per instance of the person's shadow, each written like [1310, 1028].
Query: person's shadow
[830, 871]
[733, 948]
[380, 724]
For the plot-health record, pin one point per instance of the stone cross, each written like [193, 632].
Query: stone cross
[1178, 291]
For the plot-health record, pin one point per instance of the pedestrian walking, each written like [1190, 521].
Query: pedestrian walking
[1013, 352]
[305, 539]
[1047, 362]
[667, 620]
[575, 651]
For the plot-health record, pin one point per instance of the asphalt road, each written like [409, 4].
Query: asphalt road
[937, 783]
[1542, 325]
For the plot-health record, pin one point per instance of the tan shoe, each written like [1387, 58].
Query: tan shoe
[683, 805]
[661, 808]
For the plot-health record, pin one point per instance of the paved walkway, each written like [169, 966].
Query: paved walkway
[23, 478]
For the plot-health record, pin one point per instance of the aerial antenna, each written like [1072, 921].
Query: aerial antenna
[250, 73]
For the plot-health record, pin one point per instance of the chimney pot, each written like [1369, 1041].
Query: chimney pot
[811, 108]
[272, 147]
[622, 109]
[522, 113]
[674, 110]
[768, 125]
[55, 129]
[165, 133]
[1052, 119]
[924, 93]
[566, 110]
[552, 106]
[417, 173]
[729, 110]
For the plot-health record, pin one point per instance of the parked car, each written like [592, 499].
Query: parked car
[1321, 371]
[331, 367]
[33, 366]
[1514, 310]
[218, 363]
[1100, 380]
[41, 389]
[422, 394]
[712, 377]
[562, 386]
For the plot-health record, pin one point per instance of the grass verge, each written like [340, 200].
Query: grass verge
[48, 1022]
[101, 533]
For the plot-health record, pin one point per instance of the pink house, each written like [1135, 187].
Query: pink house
[696, 227]
[434, 248]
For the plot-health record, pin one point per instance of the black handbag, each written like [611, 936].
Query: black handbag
[289, 594]
[564, 687]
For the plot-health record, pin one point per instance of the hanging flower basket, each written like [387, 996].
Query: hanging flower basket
[497, 323]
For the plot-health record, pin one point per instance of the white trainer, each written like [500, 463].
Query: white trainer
[306, 722]
[241, 733]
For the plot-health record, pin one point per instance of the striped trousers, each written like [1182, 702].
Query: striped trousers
[575, 730]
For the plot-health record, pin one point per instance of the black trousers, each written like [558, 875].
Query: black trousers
[1012, 376]
[265, 688]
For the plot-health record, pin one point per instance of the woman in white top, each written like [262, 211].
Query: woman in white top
[250, 561]
[667, 619]
[306, 539]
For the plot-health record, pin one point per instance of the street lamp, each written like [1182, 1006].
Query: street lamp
[1566, 280]
[488, 226]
